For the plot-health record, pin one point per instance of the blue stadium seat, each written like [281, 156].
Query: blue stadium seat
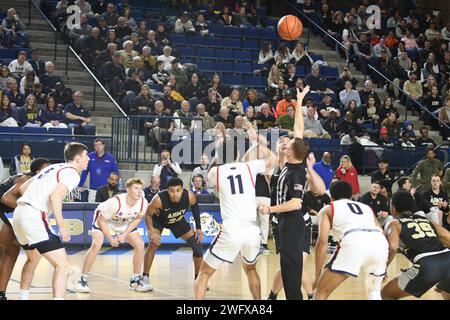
[223, 66]
[232, 43]
[329, 72]
[242, 67]
[301, 71]
[252, 81]
[217, 29]
[250, 44]
[214, 42]
[205, 65]
[224, 54]
[35, 130]
[269, 33]
[186, 51]
[251, 32]
[65, 131]
[242, 55]
[196, 40]
[319, 141]
[177, 38]
[205, 53]
[8, 54]
[11, 129]
[232, 80]
[233, 31]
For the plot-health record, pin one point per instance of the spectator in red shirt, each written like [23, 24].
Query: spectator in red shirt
[347, 172]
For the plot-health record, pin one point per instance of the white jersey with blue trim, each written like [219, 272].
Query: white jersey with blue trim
[347, 215]
[235, 183]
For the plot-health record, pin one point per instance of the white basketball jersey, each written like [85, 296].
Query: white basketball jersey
[348, 215]
[117, 211]
[235, 183]
[42, 186]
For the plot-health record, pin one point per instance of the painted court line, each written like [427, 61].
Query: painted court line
[126, 282]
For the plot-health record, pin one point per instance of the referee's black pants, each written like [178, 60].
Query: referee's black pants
[292, 235]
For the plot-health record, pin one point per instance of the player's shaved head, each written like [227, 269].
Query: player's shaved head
[340, 190]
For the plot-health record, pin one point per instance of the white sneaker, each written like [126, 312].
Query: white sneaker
[82, 286]
[138, 284]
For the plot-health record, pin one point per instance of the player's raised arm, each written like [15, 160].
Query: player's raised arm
[299, 125]
[322, 240]
[259, 150]
[196, 214]
[56, 200]
[152, 208]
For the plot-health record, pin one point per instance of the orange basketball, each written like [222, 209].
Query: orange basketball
[290, 28]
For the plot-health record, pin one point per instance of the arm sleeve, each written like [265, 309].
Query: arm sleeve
[176, 167]
[157, 170]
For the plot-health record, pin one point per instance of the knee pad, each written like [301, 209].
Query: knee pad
[196, 247]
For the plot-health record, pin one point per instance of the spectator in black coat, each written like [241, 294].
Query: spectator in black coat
[193, 89]
[108, 190]
[122, 29]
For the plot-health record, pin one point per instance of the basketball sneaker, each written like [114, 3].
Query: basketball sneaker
[82, 285]
[138, 284]
[264, 249]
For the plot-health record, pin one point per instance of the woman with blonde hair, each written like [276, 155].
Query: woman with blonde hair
[28, 115]
[347, 172]
[274, 77]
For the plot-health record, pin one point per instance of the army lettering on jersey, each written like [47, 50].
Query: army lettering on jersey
[418, 236]
[171, 212]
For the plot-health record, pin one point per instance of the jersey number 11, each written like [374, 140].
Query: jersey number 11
[232, 186]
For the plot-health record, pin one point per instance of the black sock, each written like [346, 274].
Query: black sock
[2, 295]
[145, 274]
[195, 277]
[272, 295]
[310, 296]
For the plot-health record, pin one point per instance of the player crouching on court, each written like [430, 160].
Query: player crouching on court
[117, 219]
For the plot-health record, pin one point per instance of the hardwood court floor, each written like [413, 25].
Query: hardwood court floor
[172, 277]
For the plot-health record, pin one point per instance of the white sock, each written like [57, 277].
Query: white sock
[24, 294]
[135, 275]
[58, 298]
[84, 276]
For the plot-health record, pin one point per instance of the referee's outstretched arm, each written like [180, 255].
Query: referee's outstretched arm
[299, 125]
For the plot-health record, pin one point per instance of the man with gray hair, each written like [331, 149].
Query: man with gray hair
[49, 79]
[367, 92]
[122, 29]
[167, 58]
[78, 116]
[316, 82]
[185, 117]
[203, 118]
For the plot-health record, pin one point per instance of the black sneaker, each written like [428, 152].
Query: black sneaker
[264, 249]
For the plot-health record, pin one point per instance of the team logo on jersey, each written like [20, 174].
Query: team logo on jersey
[210, 226]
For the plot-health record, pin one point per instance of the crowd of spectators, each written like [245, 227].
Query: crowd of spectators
[32, 95]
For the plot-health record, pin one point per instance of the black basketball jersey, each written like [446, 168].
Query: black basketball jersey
[273, 186]
[170, 212]
[262, 188]
[292, 183]
[5, 186]
[418, 236]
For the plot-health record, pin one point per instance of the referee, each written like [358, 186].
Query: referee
[292, 183]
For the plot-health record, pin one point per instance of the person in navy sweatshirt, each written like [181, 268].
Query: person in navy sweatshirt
[101, 164]
[51, 116]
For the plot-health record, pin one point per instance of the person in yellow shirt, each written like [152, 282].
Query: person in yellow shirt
[128, 54]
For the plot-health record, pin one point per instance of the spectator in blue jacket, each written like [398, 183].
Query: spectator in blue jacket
[101, 164]
[77, 115]
[324, 169]
[51, 116]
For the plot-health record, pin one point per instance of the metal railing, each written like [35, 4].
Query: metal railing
[69, 49]
[134, 142]
[341, 45]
